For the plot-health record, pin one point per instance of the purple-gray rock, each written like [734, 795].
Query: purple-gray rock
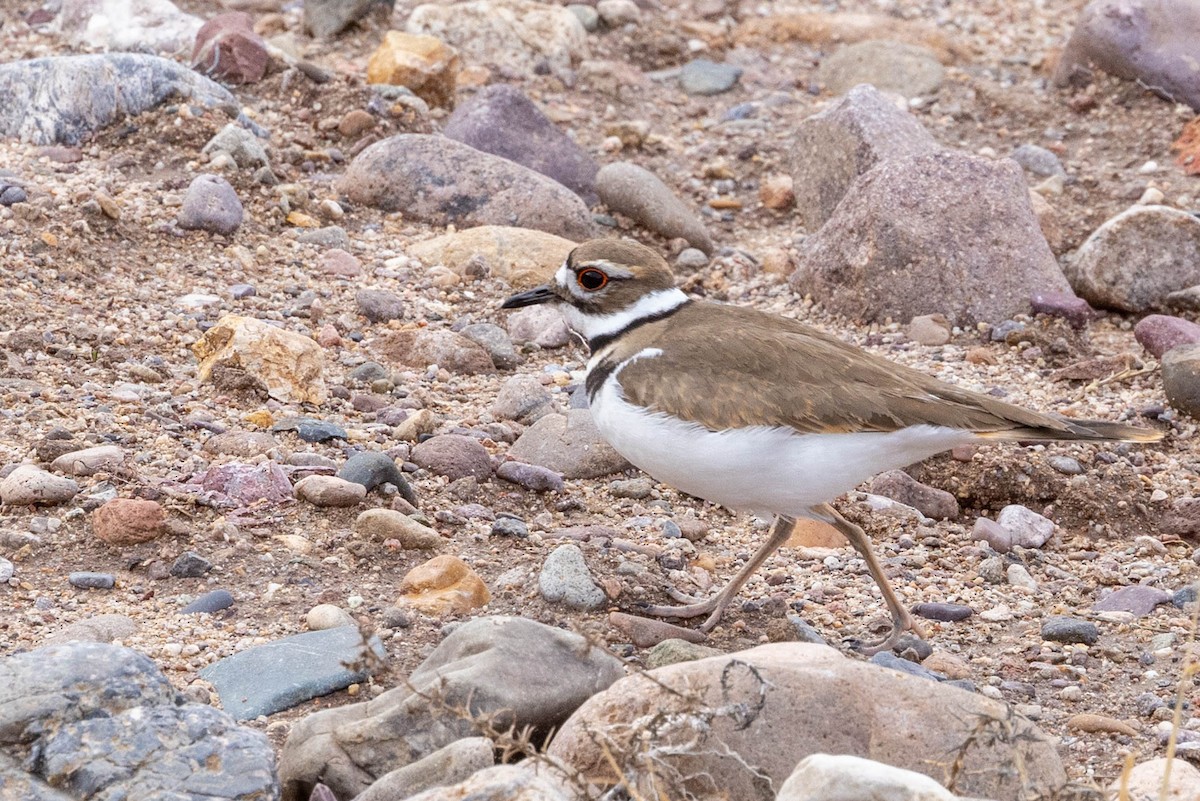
[543, 326]
[502, 121]
[568, 444]
[1059, 628]
[87, 580]
[326, 18]
[531, 476]
[379, 305]
[496, 342]
[1152, 42]
[510, 527]
[1072, 308]
[993, 534]
[426, 346]
[922, 235]
[944, 612]
[208, 603]
[1181, 378]
[522, 398]
[834, 147]
[437, 180]
[640, 195]
[454, 456]
[212, 205]
[1158, 333]
[1135, 260]
[1136, 599]
[1028, 528]
[929, 501]
[64, 98]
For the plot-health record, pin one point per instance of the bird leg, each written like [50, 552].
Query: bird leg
[902, 620]
[715, 606]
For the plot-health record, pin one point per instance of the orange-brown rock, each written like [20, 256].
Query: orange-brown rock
[128, 521]
[445, 585]
[425, 64]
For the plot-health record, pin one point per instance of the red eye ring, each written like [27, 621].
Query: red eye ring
[592, 279]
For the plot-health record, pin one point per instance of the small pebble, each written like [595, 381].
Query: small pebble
[87, 580]
[1059, 628]
[190, 565]
[210, 602]
[944, 612]
[510, 527]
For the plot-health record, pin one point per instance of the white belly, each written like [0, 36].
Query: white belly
[760, 468]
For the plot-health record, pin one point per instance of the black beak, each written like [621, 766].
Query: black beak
[532, 297]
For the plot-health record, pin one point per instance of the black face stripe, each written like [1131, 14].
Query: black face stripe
[596, 343]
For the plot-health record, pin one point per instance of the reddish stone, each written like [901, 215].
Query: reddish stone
[1158, 333]
[228, 49]
[1074, 310]
[126, 521]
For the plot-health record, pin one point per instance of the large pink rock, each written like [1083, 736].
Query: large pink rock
[1149, 41]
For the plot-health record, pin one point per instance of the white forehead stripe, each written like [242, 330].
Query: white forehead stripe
[591, 326]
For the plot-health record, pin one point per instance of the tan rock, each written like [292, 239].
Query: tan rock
[1100, 723]
[715, 724]
[330, 491]
[89, 461]
[521, 256]
[949, 665]
[1050, 221]
[387, 524]
[1145, 781]
[421, 422]
[424, 64]
[777, 192]
[445, 585]
[128, 521]
[815, 534]
[839, 777]
[286, 365]
[425, 346]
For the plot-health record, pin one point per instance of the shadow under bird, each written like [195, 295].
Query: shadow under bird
[761, 413]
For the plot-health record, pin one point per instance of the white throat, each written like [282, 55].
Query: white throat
[591, 326]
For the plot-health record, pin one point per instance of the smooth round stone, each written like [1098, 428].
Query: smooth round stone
[242, 291]
[531, 476]
[691, 259]
[211, 204]
[635, 488]
[1066, 465]
[704, 77]
[587, 16]
[29, 485]
[496, 342]
[6, 570]
[1038, 160]
[1059, 628]
[1180, 377]
[510, 527]
[327, 616]
[378, 305]
[190, 565]
[367, 372]
[209, 602]
[388, 524]
[330, 491]
[675, 650]
[943, 612]
[87, 580]
[89, 461]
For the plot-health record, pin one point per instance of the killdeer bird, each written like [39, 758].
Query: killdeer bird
[761, 413]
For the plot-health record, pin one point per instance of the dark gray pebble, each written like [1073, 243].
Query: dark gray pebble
[889, 660]
[310, 429]
[371, 468]
[240, 291]
[209, 602]
[190, 565]
[510, 527]
[367, 372]
[804, 631]
[946, 613]
[1184, 596]
[1069, 630]
[86, 580]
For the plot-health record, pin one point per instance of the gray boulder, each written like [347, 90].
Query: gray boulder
[510, 670]
[925, 235]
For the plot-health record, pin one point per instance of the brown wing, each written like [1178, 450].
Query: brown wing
[790, 373]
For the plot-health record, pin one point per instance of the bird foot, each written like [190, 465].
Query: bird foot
[713, 607]
[900, 624]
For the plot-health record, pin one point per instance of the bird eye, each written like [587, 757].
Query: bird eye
[592, 279]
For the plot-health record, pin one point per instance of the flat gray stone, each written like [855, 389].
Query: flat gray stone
[570, 445]
[565, 578]
[703, 77]
[640, 195]
[269, 678]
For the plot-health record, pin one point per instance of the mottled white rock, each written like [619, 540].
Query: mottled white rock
[89, 461]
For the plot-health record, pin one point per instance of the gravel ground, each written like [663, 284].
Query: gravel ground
[97, 329]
